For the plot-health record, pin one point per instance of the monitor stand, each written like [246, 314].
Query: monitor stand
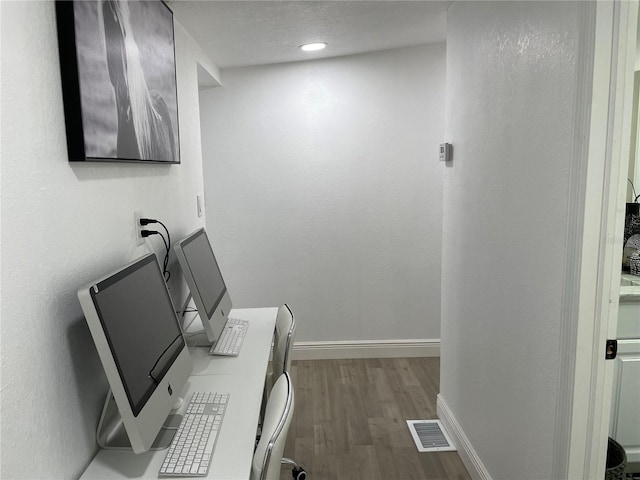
[182, 312]
[193, 338]
[111, 434]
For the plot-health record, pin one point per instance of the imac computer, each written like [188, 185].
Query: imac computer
[138, 338]
[209, 292]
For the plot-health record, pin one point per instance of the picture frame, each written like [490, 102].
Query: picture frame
[119, 88]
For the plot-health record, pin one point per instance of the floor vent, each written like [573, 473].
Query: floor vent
[430, 436]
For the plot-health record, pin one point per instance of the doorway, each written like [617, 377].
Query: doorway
[600, 268]
[624, 427]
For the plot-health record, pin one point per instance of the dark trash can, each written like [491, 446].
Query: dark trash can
[616, 461]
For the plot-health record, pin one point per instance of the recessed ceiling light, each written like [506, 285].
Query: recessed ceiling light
[312, 47]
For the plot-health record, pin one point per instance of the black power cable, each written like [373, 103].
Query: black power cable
[165, 273]
[167, 243]
[633, 189]
[147, 221]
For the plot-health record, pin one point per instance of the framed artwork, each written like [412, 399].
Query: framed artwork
[118, 69]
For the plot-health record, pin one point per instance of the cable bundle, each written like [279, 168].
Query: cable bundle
[167, 243]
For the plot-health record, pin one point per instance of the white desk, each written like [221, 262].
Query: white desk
[243, 378]
[258, 338]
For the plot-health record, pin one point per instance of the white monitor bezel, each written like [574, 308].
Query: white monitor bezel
[142, 429]
[214, 324]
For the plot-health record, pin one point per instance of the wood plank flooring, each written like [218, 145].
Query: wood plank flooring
[350, 418]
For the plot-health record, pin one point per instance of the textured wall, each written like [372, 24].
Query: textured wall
[323, 190]
[511, 83]
[63, 226]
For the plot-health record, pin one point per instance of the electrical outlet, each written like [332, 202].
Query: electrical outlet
[137, 215]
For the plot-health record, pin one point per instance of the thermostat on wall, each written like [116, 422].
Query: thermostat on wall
[446, 152]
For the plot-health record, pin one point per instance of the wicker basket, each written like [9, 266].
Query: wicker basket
[616, 461]
[634, 263]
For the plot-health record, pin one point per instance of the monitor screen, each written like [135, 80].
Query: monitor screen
[140, 325]
[203, 276]
[134, 325]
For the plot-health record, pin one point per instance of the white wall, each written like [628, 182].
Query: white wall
[323, 190]
[63, 225]
[511, 86]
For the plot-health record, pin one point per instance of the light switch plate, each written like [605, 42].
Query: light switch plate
[446, 152]
[199, 204]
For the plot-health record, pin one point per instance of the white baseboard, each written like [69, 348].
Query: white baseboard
[366, 349]
[467, 453]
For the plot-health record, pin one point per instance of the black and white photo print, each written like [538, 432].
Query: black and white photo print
[120, 96]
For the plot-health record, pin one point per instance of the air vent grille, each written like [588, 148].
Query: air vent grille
[430, 436]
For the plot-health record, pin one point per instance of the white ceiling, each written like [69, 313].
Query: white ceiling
[241, 33]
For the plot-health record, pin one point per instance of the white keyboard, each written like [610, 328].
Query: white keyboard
[231, 338]
[192, 446]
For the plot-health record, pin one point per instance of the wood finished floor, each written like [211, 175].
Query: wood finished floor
[350, 418]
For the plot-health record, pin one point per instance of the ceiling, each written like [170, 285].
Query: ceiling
[241, 33]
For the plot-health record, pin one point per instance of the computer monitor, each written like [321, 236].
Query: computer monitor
[134, 326]
[205, 282]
